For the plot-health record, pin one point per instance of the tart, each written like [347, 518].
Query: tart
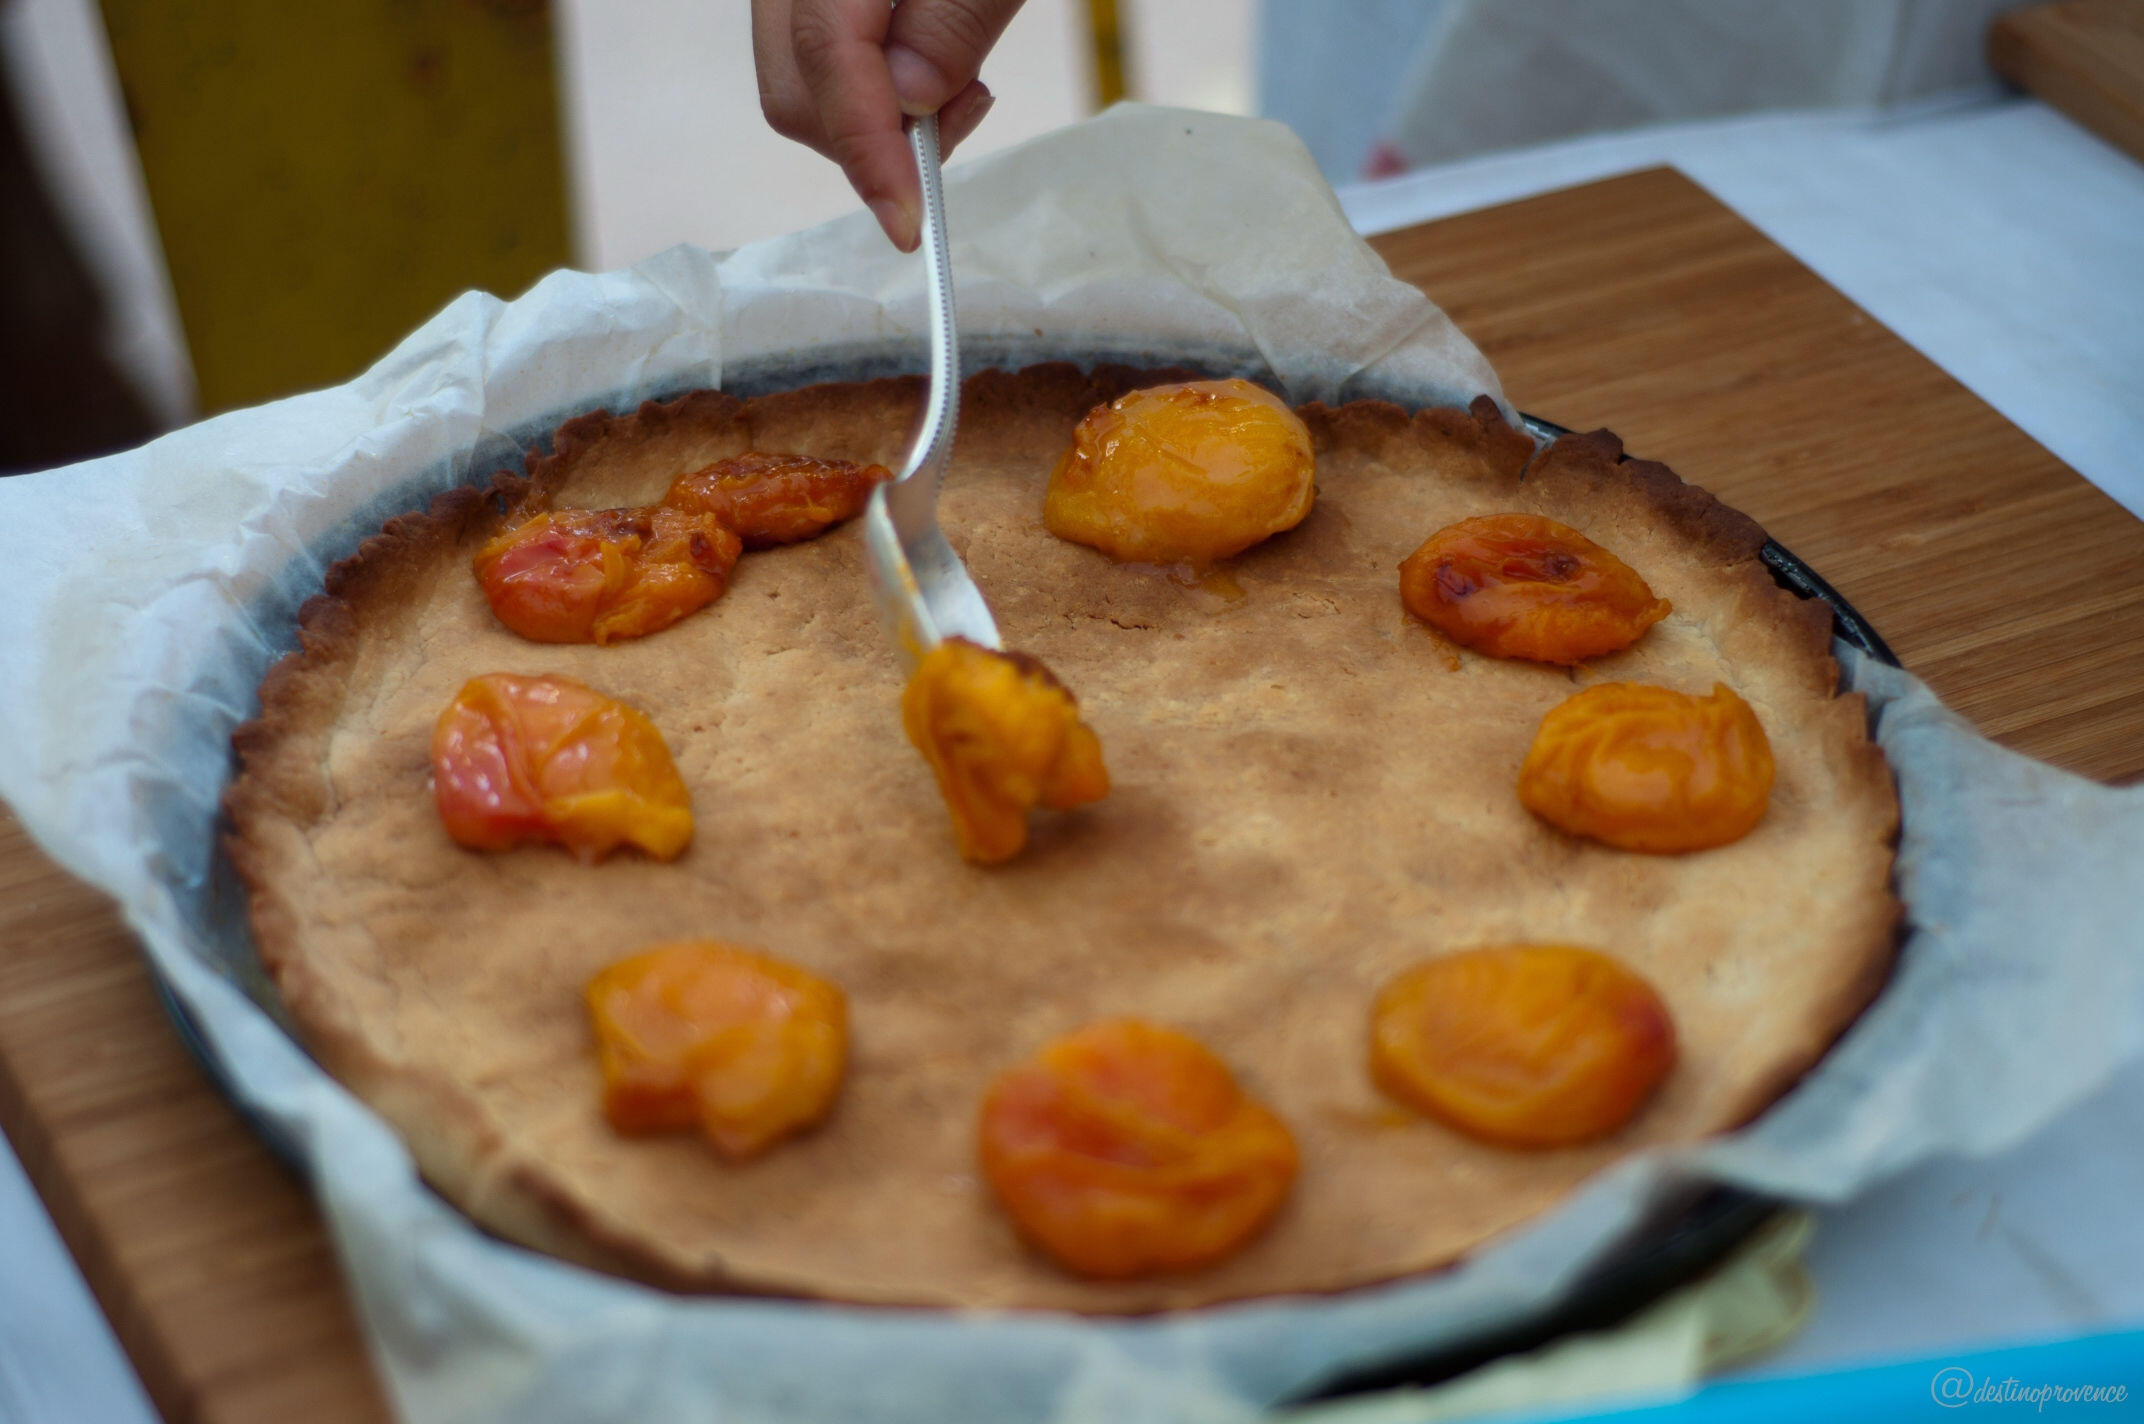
[1311, 792]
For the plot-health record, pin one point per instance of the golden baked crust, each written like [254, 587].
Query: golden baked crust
[1312, 790]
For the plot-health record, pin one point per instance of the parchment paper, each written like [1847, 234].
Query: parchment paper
[142, 597]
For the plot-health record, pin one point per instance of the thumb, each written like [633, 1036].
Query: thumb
[934, 48]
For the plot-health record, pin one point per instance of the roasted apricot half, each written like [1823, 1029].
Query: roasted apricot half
[1182, 474]
[1126, 1149]
[1522, 1045]
[1523, 586]
[518, 759]
[600, 575]
[702, 1035]
[1650, 769]
[1003, 736]
[771, 499]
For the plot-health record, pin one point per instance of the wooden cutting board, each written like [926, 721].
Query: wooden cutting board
[2085, 57]
[1638, 303]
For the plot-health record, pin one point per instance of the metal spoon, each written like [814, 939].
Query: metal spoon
[923, 589]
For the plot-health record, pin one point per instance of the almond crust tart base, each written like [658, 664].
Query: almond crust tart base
[1311, 792]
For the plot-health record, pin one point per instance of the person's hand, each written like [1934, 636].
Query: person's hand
[838, 75]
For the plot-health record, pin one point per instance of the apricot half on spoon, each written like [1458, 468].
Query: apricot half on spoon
[1003, 736]
[1522, 1045]
[1126, 1149]
[1524, 586]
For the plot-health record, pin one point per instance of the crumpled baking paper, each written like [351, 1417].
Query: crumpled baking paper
[1748, 1304]
[143, 596]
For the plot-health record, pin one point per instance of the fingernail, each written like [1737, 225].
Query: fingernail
[971, 118]
[916, 81]
[899, 223]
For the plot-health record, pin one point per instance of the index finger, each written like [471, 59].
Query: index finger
[840, 56]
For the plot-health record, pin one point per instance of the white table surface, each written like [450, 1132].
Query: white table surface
[2008, 246]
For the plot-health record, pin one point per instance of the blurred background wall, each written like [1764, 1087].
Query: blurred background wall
[243, 198]
[216, 202]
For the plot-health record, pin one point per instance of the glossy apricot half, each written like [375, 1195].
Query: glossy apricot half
[1524, 586]
[1126, 1149]
[1522, 1045]
[743, 1047]
[1002, 736]
[1649, 768]
[769, 499]
[517, 759]
[601, 575]
[1183, 474]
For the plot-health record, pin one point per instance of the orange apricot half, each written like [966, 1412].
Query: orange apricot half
[1649, 768]
[1523, 586]
[601, 575]
[1126, 1149]
[769, 499]
[1183, 474]
[1522, 1045]
[743, 1047]
[518, 759]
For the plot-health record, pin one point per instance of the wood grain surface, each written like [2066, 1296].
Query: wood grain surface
[205, 1252]
[1995, 571]
[2085, 57]
[1638, 303]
